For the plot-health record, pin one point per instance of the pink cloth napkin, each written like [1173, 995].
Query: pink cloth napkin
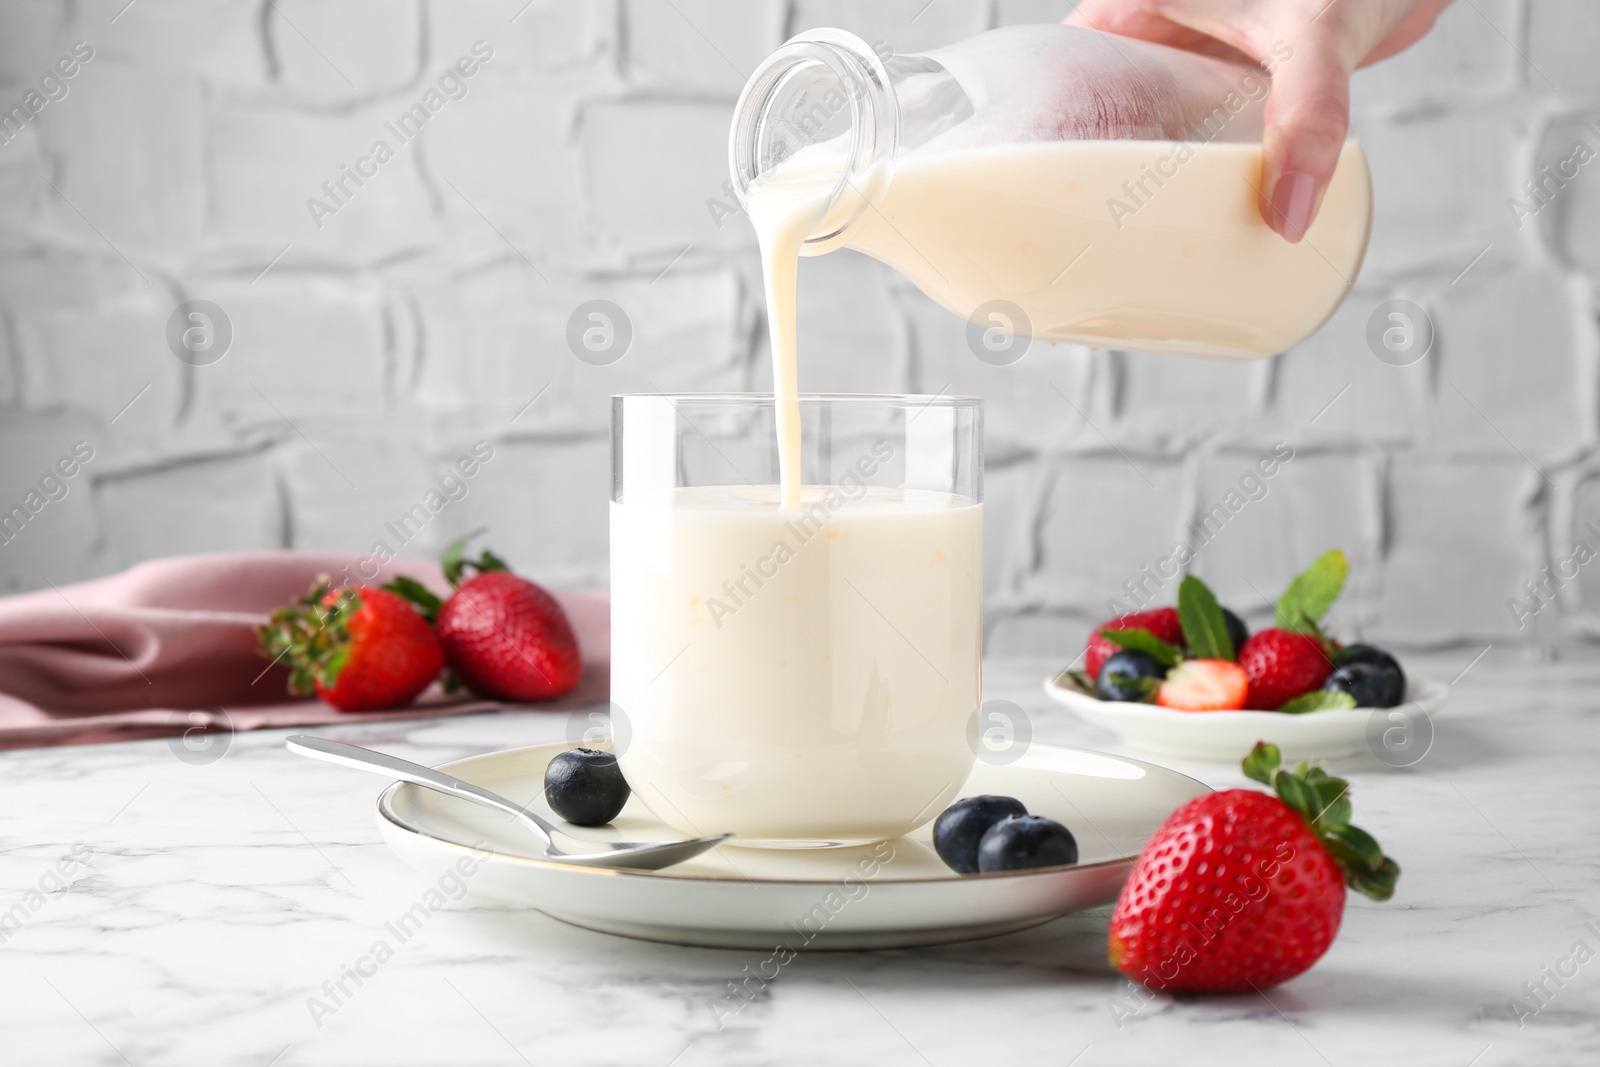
[170, 644]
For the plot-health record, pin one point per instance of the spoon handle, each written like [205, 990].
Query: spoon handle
[366, 759]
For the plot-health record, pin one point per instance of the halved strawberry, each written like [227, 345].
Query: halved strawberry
[1162, 622]
[1204, 685]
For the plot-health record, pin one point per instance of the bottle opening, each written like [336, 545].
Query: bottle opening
[822, 107]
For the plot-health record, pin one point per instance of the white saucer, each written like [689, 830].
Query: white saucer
[1228, 736]
[896, 893]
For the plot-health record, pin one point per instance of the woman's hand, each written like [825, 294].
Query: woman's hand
[1308, 113]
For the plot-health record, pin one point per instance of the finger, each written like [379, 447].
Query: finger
[1411, 28]
[1132, 20]
[1307, 118]
[1095, 15]
[1226, 30]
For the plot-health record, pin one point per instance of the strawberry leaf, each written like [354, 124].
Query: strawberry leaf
[1375, 882]
[1313, 591]
[1262, 762]
[309, 636]
[1323, 802]
[1297, 793]
[455, 563]
[1333, 798]
[332, 665]
[453, 558]
[419, 596]
[1319, 700]
[488, 561]
[1143, 641]
[1366, 869]
[1358, 842]
[1205, 630]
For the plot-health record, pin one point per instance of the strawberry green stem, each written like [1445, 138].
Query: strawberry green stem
[1323, 802]
[455, 563]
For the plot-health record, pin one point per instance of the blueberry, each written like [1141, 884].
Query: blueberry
[585, 787]
[1369, 654]
[1377, 657]
[1128, 675]
[1238, 632]
[1019, 842]
[959, 828]
[1372, 686]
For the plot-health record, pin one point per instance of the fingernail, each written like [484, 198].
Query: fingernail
[1292, 200]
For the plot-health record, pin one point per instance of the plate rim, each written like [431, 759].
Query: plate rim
[385, 812]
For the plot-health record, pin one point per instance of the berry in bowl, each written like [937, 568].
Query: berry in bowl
[1193, 682]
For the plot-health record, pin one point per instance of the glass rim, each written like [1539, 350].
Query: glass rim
[885, 399]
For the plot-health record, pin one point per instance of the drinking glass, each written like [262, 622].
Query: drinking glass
[804, 676]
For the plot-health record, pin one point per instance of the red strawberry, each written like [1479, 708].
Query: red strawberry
[1283, 664]
[360, 649]
[507, 638]
[1204, 685]
[1240, 890]
[504, 636]
[1162, 622]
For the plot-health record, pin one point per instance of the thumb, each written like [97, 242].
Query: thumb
[1307, 118]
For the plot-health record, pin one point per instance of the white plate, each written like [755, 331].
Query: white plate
[895, 893]
[1229, 735]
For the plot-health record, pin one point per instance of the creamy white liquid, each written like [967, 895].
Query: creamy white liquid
[1146, 245]
[803, 673]
[785, 213]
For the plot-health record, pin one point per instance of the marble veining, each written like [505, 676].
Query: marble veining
[209, 909]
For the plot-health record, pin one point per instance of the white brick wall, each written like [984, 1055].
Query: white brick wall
[432, 307]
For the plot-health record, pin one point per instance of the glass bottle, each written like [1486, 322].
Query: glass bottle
[1054, 182]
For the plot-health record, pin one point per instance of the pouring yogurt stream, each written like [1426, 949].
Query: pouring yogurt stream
[1094, 190]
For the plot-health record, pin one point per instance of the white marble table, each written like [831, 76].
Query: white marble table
[206, 904]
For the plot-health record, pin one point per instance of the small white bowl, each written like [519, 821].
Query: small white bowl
[1228, 736]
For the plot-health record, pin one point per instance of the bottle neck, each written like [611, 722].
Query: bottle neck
[825, 101]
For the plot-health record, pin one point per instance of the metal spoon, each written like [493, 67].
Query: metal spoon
[640, 855]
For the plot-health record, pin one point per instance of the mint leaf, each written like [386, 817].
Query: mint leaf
[1313, 592]
[1319, 700]
[1308, 625]
[1078, 678]
[1204, 629]
[1142, 640]
[1262, 761]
